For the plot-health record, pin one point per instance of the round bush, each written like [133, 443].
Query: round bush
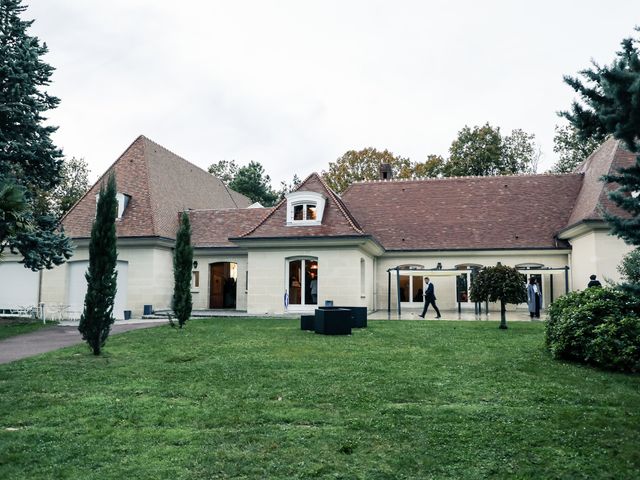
[599, 326]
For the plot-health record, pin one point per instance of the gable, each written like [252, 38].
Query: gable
[336, 220]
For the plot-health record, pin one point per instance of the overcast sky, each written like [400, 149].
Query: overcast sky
[295, 84]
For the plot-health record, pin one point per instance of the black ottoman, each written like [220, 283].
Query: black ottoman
[307, 322]
[333, 322]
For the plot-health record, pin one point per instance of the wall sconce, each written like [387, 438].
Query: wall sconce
[439, 266]
[195, 264]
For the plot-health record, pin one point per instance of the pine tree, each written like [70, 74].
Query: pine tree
[182, 261]
[28, 157]
[97, 317]
[611, 105]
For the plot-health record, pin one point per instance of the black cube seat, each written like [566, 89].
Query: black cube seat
[358, 315]
[334, 321]
[307, 322]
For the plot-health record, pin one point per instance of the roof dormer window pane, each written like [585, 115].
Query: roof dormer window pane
[298, 212]
[311, 212]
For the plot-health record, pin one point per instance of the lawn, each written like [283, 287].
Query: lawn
[18, 328]
[258, 398]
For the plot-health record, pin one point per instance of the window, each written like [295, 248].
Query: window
[362, 279]
[196, 279]
[123, 201]
[463, 281]
[305, 208]
[302, 281]
[411, 288]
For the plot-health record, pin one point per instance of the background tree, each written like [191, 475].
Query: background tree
[28, 157]
[288, 187]
[499, 284]
[74, 183]
[610, 104]
[571, 149]
[629, 268]
[520, 153]
[252, 181]
[97, 317]
[182, 267]
[432, 167]
[355, 166]
[13, 211]
[225, 170]
[482, 151]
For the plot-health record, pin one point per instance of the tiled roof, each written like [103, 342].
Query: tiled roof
[519, 211]
[608, 158]
[160, 184]
[336, 221]
[213, 228]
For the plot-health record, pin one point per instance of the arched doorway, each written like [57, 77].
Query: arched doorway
[223, 279]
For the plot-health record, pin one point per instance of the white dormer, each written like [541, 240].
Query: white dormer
[123, 201]
[305, 208]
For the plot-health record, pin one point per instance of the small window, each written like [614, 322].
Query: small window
[306, 211]
[305, 208]
[196, 279]
[311, 212]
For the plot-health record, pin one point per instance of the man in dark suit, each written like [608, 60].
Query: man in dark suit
[429, 298]
[593, 282]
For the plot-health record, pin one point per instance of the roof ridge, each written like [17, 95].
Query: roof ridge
[266, 217]
[229, 209]
[345, 211]
[460, 177]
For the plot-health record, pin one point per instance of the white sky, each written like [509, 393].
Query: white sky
[295, 84]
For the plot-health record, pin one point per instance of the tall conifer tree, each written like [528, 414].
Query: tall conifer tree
[97, 317]
[611, 105]
[28, 157]
[182, 262]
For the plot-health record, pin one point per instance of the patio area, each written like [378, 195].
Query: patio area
[413, 314]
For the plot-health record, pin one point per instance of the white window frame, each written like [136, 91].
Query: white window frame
[305, 199]
[300, 307]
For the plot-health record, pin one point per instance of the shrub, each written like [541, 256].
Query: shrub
[599, 326]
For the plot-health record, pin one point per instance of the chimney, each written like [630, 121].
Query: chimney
[385, 171]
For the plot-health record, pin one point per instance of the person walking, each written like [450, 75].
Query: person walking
[534, 297]
[429, 298]
[593, 282]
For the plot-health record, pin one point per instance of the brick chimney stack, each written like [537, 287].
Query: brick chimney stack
[385, 171]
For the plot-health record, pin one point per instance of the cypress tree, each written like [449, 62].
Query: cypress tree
[182, 261]
[97, 317]
[611, 105]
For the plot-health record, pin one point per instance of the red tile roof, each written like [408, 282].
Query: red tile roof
[160, 184]
[608, 158]
[520, 211]
[213, 228]
[337, 220]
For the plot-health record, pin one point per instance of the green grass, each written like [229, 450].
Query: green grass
[12, 329]
[258, 398]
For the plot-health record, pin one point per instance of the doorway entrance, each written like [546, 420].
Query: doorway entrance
[223, 279]
[302, 281]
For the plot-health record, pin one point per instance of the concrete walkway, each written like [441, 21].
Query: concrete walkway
[53, 338]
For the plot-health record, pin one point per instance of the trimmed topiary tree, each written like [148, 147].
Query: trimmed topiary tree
[499, 284]
[97, 317]
[182, 262]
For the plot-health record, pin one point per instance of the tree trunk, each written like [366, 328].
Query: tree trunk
[503, 315]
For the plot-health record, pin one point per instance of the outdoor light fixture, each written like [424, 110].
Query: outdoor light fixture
[439, 266]
[195, 264]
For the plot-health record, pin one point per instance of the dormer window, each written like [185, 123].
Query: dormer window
[305, 208]
[123, 201]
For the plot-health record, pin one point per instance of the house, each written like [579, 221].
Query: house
[370, 246]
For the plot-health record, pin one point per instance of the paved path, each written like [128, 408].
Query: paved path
[53, 338]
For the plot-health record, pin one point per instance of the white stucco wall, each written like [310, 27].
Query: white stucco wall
[596, 253]
[149, 278]
[338, 278]
[445, 286]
